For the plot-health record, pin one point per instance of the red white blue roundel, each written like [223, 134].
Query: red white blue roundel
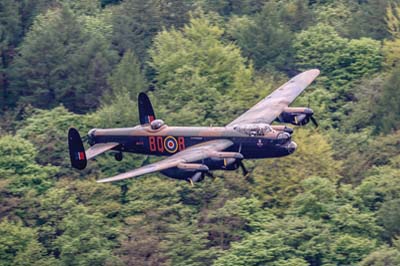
[170, 144]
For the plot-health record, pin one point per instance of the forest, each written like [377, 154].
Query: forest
[335, 201]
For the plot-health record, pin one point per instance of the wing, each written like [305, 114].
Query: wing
[99, 148]
[272, 106]
[182, 159]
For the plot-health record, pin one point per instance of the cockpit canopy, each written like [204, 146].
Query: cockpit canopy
[157, 124]
[253, 129]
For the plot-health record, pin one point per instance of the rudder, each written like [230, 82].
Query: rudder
[76, 150]
[146, 112]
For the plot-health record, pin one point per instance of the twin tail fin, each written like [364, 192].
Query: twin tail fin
[76, 150]
[146, 112]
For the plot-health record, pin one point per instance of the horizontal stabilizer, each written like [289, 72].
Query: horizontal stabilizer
[99, 148]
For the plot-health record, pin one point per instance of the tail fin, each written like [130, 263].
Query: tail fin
[76, 150]
[146, 113]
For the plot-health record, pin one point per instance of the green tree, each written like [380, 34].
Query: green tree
[318, 199]
[390, 50]
[127, 75]
[257, 249]
[136, 22]
[391, 45]
[48, 131]
[230, 7]
[368, 19]
[363, 107]
[297, 14]
[388, 110]
[74, 221]
[337, 14]
[155, 219]
[385, 256]
[87, 239]
[314, 157]
[281, 241]
[338, 58]
[355, 221]
[82, 7]
[232, 221]
[63, 61]
[360, 152]
[389, 217]
[319, 46]
[18, 165]
[360, 58]
[200, 79]
[11, 31]
[381, 185]
[19, 246]
[348, 250]
[264, 38]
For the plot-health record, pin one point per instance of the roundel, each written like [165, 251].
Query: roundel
[170, 144]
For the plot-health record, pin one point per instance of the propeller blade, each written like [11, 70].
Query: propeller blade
[244, 170]
[314, 121]
[209, 174]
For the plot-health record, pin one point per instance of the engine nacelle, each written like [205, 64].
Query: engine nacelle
[186, 171]
[223, 163]
[298, 116]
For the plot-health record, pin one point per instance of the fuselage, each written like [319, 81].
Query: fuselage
[167, 141]
[196, 151]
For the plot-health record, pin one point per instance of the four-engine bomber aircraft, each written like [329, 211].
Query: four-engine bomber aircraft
[195, 151]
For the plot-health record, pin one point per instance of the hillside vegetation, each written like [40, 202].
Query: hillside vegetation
[65, 63]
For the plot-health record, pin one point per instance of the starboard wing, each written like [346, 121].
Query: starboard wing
[192, 154]
[272, 106]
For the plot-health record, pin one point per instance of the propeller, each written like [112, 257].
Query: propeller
[244, 170]
[209, 174]
[314, 121]
[306, 117]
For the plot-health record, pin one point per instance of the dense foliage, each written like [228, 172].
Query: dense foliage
[64, 63]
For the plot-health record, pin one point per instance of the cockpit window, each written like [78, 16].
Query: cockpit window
[254, 129]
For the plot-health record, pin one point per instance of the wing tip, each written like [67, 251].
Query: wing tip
[108, 180]
[315, 72]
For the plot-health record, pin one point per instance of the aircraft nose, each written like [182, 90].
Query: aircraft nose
[291, 147]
